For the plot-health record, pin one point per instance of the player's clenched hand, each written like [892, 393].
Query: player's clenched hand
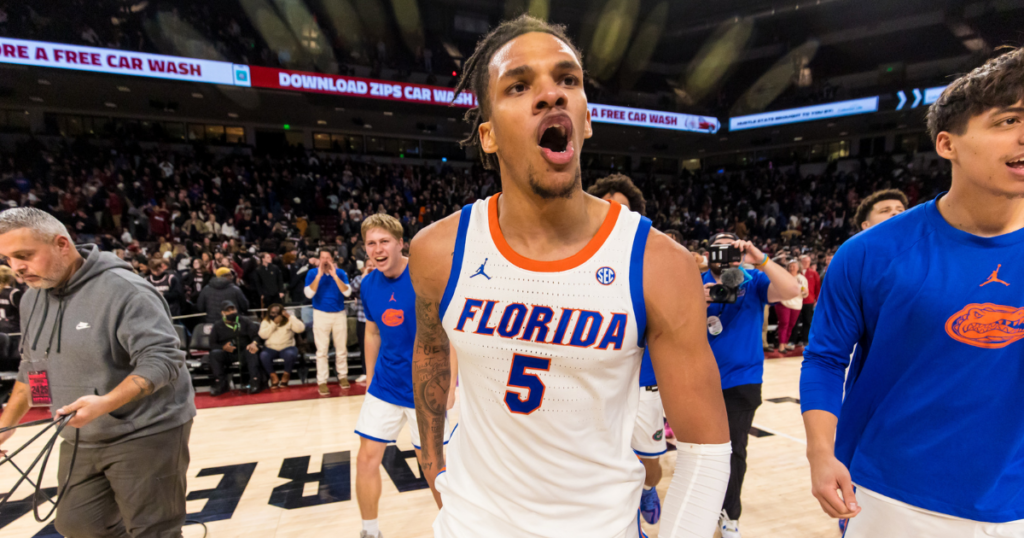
[433, 490]
[828, 475]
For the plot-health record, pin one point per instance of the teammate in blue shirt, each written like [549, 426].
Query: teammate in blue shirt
[734, 332]
[931, 428]
[389, 303]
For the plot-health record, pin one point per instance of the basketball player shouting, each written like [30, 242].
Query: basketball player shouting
[550, 342]
[931, 428]
[389, 304]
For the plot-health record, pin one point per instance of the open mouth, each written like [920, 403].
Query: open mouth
[1017, 165]
[555, 139]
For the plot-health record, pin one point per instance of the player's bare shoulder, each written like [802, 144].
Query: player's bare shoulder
[430, 255]
[662, 250]
[667, 265]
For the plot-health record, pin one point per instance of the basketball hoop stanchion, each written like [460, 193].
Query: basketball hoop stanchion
[44, 455]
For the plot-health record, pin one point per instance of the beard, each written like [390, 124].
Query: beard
[54, 275]
[715, 268]
[547, 193]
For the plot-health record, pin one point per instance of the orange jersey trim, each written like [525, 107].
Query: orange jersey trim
[565, 264]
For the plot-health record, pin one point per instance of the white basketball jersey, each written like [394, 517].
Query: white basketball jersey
[549, 358]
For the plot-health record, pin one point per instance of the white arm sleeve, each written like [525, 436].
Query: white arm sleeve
[308, 291]
[695, 495]
[348, 291]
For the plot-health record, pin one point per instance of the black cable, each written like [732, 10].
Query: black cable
[195, 522]
[44, 455]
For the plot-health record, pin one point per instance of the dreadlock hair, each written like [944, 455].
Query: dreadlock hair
[475, 75]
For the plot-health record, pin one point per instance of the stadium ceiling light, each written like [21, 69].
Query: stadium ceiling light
[44, 82]
[321, 122]
[124, 89]
[36, 99]
[367, 126]
[197, 95]
[232, 115]
[108, 104]
[797, 138]
[387, 113]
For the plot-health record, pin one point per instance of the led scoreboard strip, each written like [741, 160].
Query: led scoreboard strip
[807, 113]
[140, 64]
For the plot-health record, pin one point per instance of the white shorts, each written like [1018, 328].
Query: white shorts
[649, 431]
[382, 421]
[882, 516]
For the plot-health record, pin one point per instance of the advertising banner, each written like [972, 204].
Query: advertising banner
[639, 117]
[281, 79]
[809, 113]
[119, 62]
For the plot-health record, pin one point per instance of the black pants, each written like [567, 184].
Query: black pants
[220, 362]
[740, 404]
[803, 329]
[132, 489]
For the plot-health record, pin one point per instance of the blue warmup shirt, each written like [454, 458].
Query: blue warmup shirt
[391, 304]
[647, 370]
[738, 348]
[328, 297]
[934, 409]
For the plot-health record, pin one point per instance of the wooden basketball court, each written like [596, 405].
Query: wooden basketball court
[287, 470]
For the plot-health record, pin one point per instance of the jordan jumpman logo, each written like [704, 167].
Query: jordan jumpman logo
[480, 271]
[995, 277]
[392, 300]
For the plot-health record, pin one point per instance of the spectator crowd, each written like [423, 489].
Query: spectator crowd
[209, 228]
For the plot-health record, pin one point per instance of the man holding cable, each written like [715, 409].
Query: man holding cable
[99, 342]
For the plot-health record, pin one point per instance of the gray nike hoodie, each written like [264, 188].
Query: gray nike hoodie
[105, 324]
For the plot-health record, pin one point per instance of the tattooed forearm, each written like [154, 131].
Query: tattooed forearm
[431, 377]
[144, 386]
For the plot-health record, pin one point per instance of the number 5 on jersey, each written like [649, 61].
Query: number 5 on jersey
[519, 378]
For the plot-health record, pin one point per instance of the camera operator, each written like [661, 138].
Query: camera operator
[734, 332]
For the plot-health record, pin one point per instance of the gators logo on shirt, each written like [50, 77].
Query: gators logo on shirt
[989, 326]
[392, 317]
[659, 434]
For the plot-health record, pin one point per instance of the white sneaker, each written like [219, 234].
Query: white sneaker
[361, 379]
[730, 527]
[362, 534]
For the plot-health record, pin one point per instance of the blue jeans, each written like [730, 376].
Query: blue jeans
[289, 354]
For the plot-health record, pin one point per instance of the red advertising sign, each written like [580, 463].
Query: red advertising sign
[281, 79]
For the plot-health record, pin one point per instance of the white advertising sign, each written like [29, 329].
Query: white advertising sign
[810, 113]
[120, 62]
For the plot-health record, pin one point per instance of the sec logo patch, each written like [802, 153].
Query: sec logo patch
[392, 317]
[605, 275]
